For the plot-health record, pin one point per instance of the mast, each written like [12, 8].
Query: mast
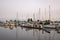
[17, 16]
[49, 13]
[39, 13]
[34, 16]
[45, 13]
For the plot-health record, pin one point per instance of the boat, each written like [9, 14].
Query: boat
[31, 25]
[49, 26]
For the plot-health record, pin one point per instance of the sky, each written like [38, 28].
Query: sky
[24, 9]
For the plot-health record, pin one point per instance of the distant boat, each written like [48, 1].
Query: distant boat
[6, 24]
[31, 25]
[11, 24]
[49, 26]
[11, 27]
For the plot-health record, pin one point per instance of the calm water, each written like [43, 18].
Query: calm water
[27, 34]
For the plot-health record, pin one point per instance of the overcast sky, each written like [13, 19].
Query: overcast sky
[26, 9]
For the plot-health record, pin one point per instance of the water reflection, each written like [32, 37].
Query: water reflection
[21, 33]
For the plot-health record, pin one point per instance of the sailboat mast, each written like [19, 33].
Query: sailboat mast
[39, 13]
[34, 16]
[17, 16]
[49, 13]
[45, 13]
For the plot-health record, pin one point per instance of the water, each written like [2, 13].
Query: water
[20, 33]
